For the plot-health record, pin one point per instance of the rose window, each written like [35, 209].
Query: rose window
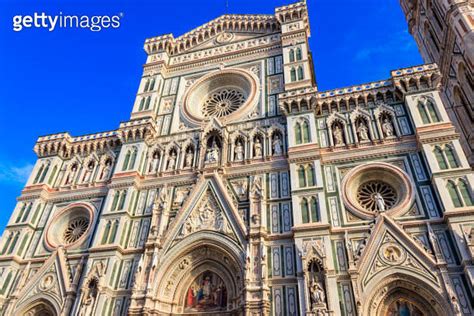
[75, 229]
[374, 195]
[222, 102]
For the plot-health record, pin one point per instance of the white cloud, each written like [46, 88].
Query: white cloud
[15, 173]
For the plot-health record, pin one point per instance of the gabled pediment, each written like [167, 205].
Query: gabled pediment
[209, 207]
[388, 248]
[51, 280]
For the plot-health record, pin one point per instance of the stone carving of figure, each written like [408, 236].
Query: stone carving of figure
[163, 198]
[154, 162]
[188, 161]
[256, 188]
[241, 187]
[387, 128]
[213, 153]
[106, 170]
[263, 262]
[380, 202]
[88, 300]
[172, 162]
[71, 174]
[317, 293]
[363, 131]
[180, 196]
[277, 146]
[257, 148]
[239, 151]
[338, 136]
[88, 172]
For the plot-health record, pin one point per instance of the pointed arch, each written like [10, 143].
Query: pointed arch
[454, 194]
[305, 215]
[465, 193]
[442, 164]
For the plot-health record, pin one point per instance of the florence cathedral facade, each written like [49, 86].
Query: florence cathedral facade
[238, 188]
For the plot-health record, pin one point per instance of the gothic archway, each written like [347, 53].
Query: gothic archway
[204, 276]
[401, 295]
[40, 308]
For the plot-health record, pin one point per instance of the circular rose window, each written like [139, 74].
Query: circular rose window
[374, 188]
[226, 94]
[70, 227]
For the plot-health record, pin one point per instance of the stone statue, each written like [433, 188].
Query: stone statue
[181, 194]
[379, 201]
[213, 153]
[317, 293]
[154, 162]
[88, 172]
[239, 151]
[277, 146]
[338, 136]
[387, 128]
[172, 162]
[188, 161]
[106, 170]
[71, 176]
[256, 188]
[363, 131]
[263, 262]
[257, 148]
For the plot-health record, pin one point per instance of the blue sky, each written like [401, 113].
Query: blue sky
[84, 82]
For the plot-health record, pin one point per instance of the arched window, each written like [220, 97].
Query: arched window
[310, 175]
[27, 212]
[20, 214]
[306, 138]
[300, 73]
[147, 103]
[424, 115]
[133, 159]
[453, 193]
[35, 216]
[305, 211]
[433, 114]
[299, 55]
[302, 177]
[466, 195]
[451, 157]
[23, 244]
[45, 171]
[440, 158]
[6, 283]
[115, 201]
[126, 160]
[105, 236]
[123, 195]
[112, 277]
[292, 55]
[314, 210]
[152, 84]
[53, 174]
[293, 74]
[7, 243]
[13, 244]
[147, 84]
[113, 233]
[142, 103]
[38, 175]
[298, 133]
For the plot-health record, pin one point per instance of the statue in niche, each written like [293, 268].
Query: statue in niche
[338, 135]
[188, 161]
[154, 162]
[379, 201]
[363, 131]
[241, 188]
[106, 170]
[239, 151]
[257, 148]
[256, 188]
[317, 293]
[387, 128]
[89, 298]
[88, 173]
[277, 146]
[213, 153]
[172, 162]
[71, 176]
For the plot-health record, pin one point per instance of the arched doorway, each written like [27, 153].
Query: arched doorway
[40, 308]
[204, 276]
[399, 295]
